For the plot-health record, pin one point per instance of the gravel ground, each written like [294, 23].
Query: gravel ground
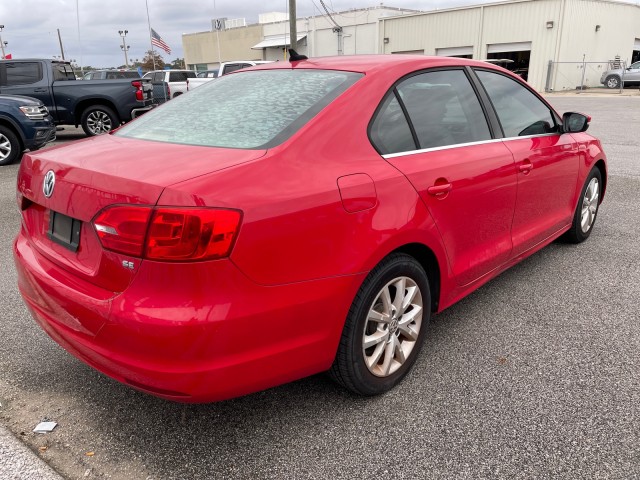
[535, 375]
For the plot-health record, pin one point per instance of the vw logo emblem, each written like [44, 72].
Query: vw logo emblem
[49, 183]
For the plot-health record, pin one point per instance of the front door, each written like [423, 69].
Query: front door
[546, 161]
[465, 178]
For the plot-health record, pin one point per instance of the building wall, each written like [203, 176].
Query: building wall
[572, 34]
[391, 30]
[235, 44]
[359, 36]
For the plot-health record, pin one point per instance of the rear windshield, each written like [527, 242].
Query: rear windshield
[249, 110]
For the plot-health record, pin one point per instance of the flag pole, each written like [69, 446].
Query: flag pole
[153, 53]
[79, 41]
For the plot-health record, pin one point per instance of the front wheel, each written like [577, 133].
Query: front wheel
[98, 119]
[612, 82]
[10, 148]
[385, 328]
[585, 215]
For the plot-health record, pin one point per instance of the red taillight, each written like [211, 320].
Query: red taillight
[169, 234]
[139, 93]
[191, 234]
[123, 228]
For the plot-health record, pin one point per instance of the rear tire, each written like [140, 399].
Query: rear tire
[584, 218]
[98, 119]
[385, 327]
[10, 148]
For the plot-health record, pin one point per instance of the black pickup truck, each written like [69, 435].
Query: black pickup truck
[98, 106]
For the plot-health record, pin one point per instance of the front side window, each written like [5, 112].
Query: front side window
[23, 73]
[520, 112]
[251, 110]
[443, 108]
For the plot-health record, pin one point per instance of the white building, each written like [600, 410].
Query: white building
[578, 36]
[555, 44]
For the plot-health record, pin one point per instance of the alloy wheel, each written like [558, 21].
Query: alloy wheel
[5, 147]
[99, 122]
[590, 205]
[392, 326]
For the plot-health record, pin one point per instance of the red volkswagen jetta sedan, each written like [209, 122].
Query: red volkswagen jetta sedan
[296, 218]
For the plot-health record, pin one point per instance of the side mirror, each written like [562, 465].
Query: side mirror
[573, 122]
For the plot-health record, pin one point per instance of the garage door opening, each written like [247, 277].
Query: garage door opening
[635, 56]
[459, 52]
[518, 53]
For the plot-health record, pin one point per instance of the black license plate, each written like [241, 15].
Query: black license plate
[64, 230]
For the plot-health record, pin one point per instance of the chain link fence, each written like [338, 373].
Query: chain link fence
[580, 76]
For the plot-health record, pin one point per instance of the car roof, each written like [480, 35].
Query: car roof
[372, 63]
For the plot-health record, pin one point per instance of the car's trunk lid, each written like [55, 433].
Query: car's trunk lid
[95, 173]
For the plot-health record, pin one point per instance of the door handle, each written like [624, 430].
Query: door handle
[437, 190]
[39, 90]
[525, 167]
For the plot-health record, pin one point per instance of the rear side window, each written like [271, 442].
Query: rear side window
[232, 67]
[443, 108]
[390, 132]
[63, 71]
[520, 112]
[23, 73]
[181, 76]
[250, 110]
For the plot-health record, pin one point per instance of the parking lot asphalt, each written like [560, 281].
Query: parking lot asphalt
[535, 375]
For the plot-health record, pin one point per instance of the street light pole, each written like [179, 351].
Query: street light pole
[2, 44]
[293, 34]
[124, 46]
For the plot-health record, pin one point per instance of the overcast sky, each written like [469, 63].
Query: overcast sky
[30, 26]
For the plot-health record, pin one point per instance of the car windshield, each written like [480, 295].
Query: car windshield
[250, 110]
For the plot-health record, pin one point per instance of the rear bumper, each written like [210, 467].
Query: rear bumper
[191, 335]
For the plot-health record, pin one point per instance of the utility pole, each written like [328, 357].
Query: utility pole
[124, 46]
[61, 49]
[293, 34]
[2, 44]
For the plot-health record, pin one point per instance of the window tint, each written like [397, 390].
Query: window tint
[390, 132]
[520, 112]
[178, 76]
[63, 71]
[23, 73]
[232, 67]
[246, 110]
[443, 109]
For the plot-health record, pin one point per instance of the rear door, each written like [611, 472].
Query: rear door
[465, 177]
[546, 160]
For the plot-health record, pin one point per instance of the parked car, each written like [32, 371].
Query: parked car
[614, 77]
[110, 74]
[282, 235]
[224, 69]
[176, 79]
[25, 123]
[98, 106]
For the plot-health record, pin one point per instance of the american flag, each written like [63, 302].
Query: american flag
[159, 42]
